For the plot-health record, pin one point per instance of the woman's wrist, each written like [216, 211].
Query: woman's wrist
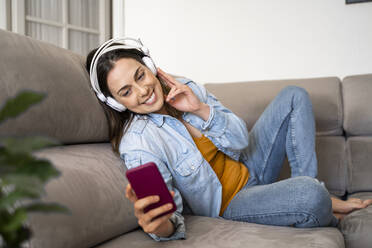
[203, 111]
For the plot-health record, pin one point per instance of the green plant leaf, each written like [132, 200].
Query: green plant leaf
[10, 199]
[22, 176]
[24, 182]
[15, 220]
[26, 164]
[14, 239]
[4, 217]
[6, 169]
[26, 187]
[21, 102]
[27, 144]
[46, 207]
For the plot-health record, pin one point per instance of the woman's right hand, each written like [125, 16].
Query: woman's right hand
[161, 226]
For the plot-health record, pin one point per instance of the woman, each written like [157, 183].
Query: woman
[203, 151]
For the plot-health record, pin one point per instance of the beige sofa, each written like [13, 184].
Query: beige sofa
[92, 184]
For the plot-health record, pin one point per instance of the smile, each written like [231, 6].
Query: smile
[151, 100]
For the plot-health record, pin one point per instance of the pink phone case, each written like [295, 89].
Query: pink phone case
[146, 180]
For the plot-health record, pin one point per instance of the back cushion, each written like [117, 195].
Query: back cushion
[359, 157]
[70, 112]
[332, 170]
[357, 92]
[249, 99]
[92, 186]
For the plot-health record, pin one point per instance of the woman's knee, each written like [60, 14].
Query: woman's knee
[315, 201]
[296, 92]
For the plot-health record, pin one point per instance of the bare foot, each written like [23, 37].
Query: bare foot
[339, 216]
[345, 207]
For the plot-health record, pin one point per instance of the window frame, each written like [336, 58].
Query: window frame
[5, 21]
[19, 19]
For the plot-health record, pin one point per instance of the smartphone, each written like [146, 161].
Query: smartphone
[146, 180]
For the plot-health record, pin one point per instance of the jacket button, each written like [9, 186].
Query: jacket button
[192, 167]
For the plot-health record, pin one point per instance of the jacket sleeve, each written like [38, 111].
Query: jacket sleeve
[135, 158]
[225, 129]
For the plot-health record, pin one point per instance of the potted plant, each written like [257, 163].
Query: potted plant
[22, 176]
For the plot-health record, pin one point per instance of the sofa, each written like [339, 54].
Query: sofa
[92, 182]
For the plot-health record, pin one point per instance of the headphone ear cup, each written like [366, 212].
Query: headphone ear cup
[115, 105]
[150, 64]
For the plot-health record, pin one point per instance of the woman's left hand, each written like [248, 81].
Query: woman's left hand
[180, 96]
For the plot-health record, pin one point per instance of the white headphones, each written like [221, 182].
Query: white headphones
[125, 43]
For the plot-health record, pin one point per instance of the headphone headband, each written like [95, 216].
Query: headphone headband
[124, 43]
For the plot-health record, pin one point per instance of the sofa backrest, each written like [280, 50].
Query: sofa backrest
[92, 185]
[357, 94]
[249, 99]
[70, 112]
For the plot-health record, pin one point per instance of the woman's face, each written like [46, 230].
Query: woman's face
[136, 87]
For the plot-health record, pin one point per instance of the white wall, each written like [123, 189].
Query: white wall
[239, 40]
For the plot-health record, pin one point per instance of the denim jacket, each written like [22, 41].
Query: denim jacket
[165, 140]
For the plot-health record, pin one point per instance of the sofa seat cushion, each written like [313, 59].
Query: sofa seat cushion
[212, 232]
[357, 226]
[92, 186]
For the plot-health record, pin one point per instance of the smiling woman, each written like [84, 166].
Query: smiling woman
[136, 87]
[113, 64]
[203, 151]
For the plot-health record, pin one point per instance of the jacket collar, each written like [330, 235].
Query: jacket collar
[158, 119]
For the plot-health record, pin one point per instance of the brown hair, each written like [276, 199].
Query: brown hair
[119, 122]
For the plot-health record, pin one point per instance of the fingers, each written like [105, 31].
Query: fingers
[148, 220]
[176, 87]
[367, 202]
[173, 93]
[359, 203]
[152, 214]
[354, 200]
[167, 78]
[356, 206]
[151, 227]
[141, 204]
[150, 223]
[130, 194]
[167, 81]
[357, 200]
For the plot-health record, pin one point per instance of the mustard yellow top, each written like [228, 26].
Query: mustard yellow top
[232, 174]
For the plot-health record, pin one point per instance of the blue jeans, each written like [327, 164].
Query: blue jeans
[286, 127]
